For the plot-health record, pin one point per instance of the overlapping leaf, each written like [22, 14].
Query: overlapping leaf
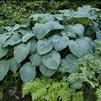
[46, 71]
[3, 52]
[41, 30]
[13, 65]
[27, 72]
[35, 59]
[44, 46]
[59, 42]
[69, 64]
[4, 68]
[81, 47]
[51, 60]
[14, 39]
[21, 51]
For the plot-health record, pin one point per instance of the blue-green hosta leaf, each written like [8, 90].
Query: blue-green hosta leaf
[35, 59]
[18, 26]
[14, 39]
[42, 18]
[69, 63]
[97, 43]
[4, 68]
[85, 11]
[44, 46]
[67, 14]
[14, 28]
[41, 30]
[59, 42]
[27, 72]
[33, 46]
[98, 35]
[21, 51]
[3, 51]
[81, 47]
[51, 60]
[27, 36]
[8, 28]
[73, 31]
[13, 65]
[46, 71]
[25, 31]
[59, 16]
[3, 38]
[78, 29]
[69, 33]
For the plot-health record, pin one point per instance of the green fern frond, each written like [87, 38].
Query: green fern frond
[44, 89]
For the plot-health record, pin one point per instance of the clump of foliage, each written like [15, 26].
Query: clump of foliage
[44, 89]
[98, 93]
[49, 42]
[16, 11]
[89, 69]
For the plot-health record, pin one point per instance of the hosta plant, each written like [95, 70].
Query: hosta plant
[48, 42]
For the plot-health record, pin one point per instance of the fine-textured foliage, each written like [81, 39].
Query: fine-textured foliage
[98, 93]
[88, 71]
[49, 42]
[78, 96]
[44, 89]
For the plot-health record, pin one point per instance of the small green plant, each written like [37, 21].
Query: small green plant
[98, 93]
[44, 89]
[47, 90]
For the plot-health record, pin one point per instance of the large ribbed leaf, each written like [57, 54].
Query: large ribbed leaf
[81, 47]
[44, 46]
[69, 63]
[67, 13]
[46, 71]
[59, 17]
[60, 42]
[13, 65]
[27, 72]
[74, 30]
[51, 60]
[21, 51]
[27, 36]
[68, 32]
[35, 59]
[85, 11]
[18, 26]
[42, 18]
[14, 39]
[78, 29]
[33, 46]
[3, 38]
[3, 51]
[4, 67]
[41, 30]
